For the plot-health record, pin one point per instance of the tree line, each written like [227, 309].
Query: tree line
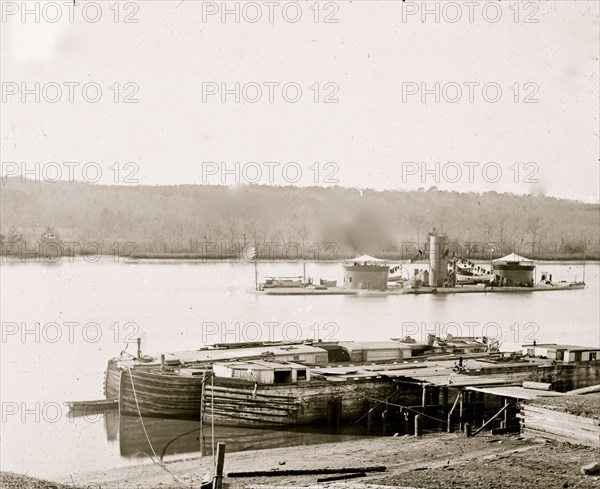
[190, 221]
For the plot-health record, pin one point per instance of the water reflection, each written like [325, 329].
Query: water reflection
[170, 438]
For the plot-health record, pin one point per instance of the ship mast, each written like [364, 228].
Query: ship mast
[584, 261]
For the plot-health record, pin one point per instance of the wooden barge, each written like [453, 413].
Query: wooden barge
[151, 392]
[186, 384]
[299, 384]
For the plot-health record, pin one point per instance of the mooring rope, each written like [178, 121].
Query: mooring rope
[212, 420]
[155, 459]
[385, 401]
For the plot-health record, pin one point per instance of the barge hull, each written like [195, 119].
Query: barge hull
[151, 393]
[293, 404]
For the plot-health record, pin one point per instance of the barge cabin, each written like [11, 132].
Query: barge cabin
[563, 353]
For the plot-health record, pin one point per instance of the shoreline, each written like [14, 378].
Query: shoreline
[186, 258]
[431, 461]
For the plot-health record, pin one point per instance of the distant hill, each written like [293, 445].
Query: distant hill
[314, 222]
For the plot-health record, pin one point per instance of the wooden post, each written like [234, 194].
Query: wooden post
[384, 422]
[424, 396]
[450, 423]
[435, 400]
[419, 425]
[220, 462]
[481, 409]
[407, 422]
[330, 414]
[162, 363]
[370, 415]
[139, 348]
[445, 399]
[212, 415]
[461, 411]
[201, 415]
[505, 421]
[468, 430]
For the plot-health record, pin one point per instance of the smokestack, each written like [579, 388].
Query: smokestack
[438, 260]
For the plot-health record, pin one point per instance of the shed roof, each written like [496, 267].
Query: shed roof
[233, 353]
[372, 345]
[559, 346]
[433, 373]
[261, 365]
[516, 392]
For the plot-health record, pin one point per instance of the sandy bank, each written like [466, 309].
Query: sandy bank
[439, 460]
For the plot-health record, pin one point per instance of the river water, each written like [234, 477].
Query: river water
[62, 322]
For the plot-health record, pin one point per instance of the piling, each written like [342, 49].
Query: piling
[370, 420]
[461, 412]
[407, 422]
[338, 412]
[330, 414]
[450, 423]
[218, 482]
[480, 408]
[334, 415]
[435, 401]
[504, 422]
[162, 363]
[419, 425]
[384, 422]
[401, 422]
[468, 430]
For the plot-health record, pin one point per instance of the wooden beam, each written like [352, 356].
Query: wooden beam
[454, 405]
[492, 419]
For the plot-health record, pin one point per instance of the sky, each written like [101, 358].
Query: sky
[469, 97]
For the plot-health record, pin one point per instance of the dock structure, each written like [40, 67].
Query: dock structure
[380, 384]
[448, 397]
[571, 418]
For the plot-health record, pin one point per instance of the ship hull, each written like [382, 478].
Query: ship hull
[150, 392]
[269, 405]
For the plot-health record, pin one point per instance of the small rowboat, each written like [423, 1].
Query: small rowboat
[97, 405]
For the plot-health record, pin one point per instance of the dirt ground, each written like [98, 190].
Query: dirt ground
[434, 461]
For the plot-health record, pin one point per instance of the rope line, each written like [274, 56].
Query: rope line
[155, 459]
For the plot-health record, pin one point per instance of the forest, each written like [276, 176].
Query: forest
[290, 223]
